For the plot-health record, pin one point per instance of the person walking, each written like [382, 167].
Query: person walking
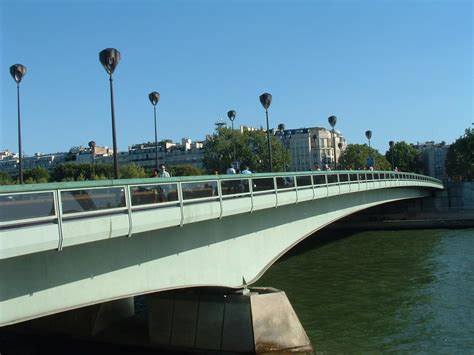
[163, 173]
[230, 170]
[246, 170]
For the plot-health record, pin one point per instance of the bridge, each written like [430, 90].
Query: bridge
[69, 245]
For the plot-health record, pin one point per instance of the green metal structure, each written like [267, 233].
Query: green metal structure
[68, 245]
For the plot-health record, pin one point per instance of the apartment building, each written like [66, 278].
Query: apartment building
[311, 147]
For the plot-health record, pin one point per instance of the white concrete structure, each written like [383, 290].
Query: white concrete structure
[311, 147]
[68, 245]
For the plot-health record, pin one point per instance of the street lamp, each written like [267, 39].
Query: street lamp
[18, 71]
[370, 161]
[368, 134]
[340, 145]
[154, 98]
[109, 58]
[266, 100]
[231, 114]
[391, 144]
[281, 129]
[92, 148]
[332, 121]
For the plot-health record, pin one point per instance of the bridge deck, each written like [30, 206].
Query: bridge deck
[35, 218]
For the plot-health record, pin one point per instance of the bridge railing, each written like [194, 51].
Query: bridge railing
[49, 205]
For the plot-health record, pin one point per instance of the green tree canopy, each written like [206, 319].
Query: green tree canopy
[251, 149]
[36, 175]
[5, 179]
[185, 170]
[355, 157]
[132, 171]
[405, 157]
[78, 172]
[97, 171]
[460, 158]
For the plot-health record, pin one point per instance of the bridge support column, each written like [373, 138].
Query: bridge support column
[258, 322]
[84, 322]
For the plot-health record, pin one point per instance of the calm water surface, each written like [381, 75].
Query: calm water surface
[403, 291]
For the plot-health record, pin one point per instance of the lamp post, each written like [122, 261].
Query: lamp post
[18, 71]
[266, 100]
[332, 121]
[340, 145]
[391, 144]
[92, 148]
[281, 129]
[231, 114]
[370, 160]
[368, 134]
[109, 58]
[154, 98]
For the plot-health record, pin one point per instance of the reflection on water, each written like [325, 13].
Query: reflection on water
[400, 291]
[382, 290]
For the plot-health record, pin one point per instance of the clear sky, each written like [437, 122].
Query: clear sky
[403, 69]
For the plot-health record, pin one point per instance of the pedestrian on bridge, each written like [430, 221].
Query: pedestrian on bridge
[163, 173]
[230, 170]
[246, 170]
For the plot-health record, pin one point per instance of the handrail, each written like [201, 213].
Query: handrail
[87, 202]
[150, 181]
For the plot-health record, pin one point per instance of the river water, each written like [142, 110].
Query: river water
[406, 291]
[402, 291]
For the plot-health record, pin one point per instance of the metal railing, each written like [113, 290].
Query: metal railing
[22, 205]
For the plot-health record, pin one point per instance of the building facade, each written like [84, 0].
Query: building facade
[433, 158]
[312, 148]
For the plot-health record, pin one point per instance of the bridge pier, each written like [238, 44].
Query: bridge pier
[259, 321]
[83, 322]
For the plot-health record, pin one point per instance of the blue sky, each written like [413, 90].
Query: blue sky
[403, 69]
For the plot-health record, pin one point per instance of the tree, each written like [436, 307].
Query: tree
[76, 172]
[185, 170]
[5, 179]
[132, 171]
[355, 157]
[251, 149]
[36, 175]
[460, 158]
[405, 157]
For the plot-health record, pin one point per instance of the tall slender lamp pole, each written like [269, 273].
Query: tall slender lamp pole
[232, 114]
[281, 129]
[92, 148]
[18, 71]
[266, 100]
[368, 134]
[391, 143]
[332, 121]
[109, 58]
[154, 98]
[340, 145]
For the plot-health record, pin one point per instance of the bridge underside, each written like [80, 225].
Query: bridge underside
[217, 252]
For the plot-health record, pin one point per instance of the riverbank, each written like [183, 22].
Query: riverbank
[450, 208]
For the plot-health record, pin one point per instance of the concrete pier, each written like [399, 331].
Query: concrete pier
[259, 321]
[221, 320]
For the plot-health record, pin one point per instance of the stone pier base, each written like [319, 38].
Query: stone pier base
[83, 322]
[259, 321]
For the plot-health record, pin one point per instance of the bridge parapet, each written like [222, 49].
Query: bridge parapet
[41, 217]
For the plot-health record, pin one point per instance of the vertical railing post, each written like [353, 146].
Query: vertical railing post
[275, 187]
[251, 193]
[59, 215]
[295, 181]
[180, 196]
[128, 203]
[219, 191]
